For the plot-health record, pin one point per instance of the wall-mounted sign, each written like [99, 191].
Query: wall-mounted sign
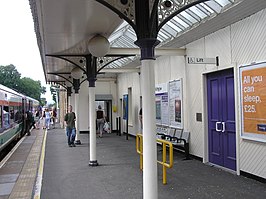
[175, 104]
[253, 101]
[161, 102]
[202, 60]
[125, 107]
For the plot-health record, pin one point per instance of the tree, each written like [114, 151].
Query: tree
[10, 77]
[43, 101]
[31, 88]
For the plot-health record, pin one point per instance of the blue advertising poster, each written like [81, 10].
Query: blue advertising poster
[125, 107]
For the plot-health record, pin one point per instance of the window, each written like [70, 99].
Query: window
[6, 117]
[12, 114]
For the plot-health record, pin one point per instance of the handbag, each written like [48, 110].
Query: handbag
[106, 127]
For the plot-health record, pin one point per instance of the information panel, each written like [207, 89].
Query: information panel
[175, 104]
[161, 102]
[253, 100]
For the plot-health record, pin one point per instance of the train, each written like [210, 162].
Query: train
[13, 108]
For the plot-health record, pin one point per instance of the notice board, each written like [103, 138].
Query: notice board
[253, 101]
[175, 104]
[161, 103]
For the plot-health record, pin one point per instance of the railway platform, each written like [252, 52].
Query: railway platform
[44, 166]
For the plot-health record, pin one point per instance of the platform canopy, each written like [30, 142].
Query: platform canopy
[64, 27]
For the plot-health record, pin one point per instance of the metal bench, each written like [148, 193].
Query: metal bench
[181, 141]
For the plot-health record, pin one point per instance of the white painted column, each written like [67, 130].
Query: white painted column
[77, 117]
[150, 176]
[92, 115]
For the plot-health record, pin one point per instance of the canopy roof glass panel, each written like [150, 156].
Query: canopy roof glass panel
[124, 36]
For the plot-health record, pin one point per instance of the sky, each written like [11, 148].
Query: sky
[18, 44]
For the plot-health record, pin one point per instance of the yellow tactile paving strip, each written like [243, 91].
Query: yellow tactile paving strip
[24, 186]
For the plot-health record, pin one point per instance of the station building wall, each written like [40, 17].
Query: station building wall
[101, 88]
[241, 43]
[126, 83]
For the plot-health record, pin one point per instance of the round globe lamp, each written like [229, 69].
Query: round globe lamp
[76, 73]
[98, 46]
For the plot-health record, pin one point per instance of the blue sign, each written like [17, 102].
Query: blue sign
[125, 107]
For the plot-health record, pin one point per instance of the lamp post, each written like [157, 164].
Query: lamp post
[98, 47]
[76, 73]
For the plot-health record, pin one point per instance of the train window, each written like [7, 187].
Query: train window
[1, 117]
[11, 112]
[6, 116]
[17, 114]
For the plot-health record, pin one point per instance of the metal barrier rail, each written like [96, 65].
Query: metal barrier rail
[139, 147]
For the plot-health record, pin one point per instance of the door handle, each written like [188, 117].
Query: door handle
[216, 126]
[223, 127]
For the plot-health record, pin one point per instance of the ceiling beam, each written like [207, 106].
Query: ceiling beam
[120, 70]
[158, 51]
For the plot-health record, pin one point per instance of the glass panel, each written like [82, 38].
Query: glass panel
[178, 20]
[198, 12]
[6, 117]
[191, 16]
[175, 27]
[223, 2]
[17, 116]
[12, 115]
[169, 30]
[214, 5]
[207, 7]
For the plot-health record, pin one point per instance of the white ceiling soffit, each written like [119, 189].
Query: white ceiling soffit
[65, 26]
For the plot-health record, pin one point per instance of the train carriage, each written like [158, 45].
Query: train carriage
[13, 107]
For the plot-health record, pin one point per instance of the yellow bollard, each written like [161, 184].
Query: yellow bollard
[139, 146]
[165, 144]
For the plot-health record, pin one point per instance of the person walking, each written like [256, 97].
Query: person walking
[29, 122]
[70, 119]
[37, 119]
[53, 118]
[100, 120]
[47, 119]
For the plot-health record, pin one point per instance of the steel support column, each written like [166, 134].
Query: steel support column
[76, 85]
[91, 69]
[150, 185]
[93, 159]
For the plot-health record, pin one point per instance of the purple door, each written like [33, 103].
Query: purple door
[221, 119]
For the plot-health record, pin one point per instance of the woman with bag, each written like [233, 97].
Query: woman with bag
[100, 120]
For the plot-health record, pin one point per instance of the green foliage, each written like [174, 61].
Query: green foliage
[10, 77]
[43, 101]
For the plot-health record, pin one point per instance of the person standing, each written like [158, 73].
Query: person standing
[29, 122]
[100, 120]
[70, 119]
[141, 120]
